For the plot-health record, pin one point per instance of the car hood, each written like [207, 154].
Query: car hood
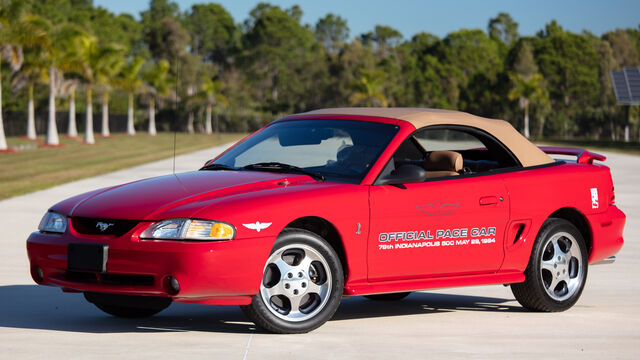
[148, 199]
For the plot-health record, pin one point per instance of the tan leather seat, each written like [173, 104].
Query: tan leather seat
[443, 163]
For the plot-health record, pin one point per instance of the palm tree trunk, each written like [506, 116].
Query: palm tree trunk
[613, 129]
[52, 129]
[105, 114]
[190, 130]
[72, 131]
[130, 129]
[526, 121]
[626, 125]
[207, 122]
[3, 140]
[31, 115]
[541, 127]
[88, 128]
[152, 117]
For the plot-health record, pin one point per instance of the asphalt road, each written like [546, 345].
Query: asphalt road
[475, 322]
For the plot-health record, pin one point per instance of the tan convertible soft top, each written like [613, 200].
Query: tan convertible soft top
[525, 151]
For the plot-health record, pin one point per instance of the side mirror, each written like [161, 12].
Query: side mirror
[405, 174]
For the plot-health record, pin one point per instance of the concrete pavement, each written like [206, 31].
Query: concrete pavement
[475, 322]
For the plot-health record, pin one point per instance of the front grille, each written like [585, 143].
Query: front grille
[112, 227]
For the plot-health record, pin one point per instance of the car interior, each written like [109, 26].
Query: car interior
[451, 151]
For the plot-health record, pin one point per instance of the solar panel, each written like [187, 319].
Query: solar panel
[626, 85]
[633, 79]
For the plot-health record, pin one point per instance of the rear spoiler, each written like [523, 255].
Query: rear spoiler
[584, 156]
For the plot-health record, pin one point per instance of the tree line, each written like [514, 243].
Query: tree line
[209, 72]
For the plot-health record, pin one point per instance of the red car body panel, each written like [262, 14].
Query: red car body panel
[502, 212]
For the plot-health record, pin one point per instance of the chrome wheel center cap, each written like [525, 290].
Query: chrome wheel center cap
[296, 282]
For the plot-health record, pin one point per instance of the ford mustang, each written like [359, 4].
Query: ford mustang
[376, 202]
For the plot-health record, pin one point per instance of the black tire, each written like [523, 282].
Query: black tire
[547, 266]
[273, 308]
[128, 306]
[388, 297]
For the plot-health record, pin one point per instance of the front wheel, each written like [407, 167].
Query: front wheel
[128, 306]
[557, 271]
[301, 284]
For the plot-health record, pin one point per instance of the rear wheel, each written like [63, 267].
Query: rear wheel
[557, 271]
[128, 306]
[301, 286]
[388, 297]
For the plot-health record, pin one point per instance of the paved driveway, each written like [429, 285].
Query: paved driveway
[476, 322]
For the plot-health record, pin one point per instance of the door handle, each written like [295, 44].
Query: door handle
[488, 200]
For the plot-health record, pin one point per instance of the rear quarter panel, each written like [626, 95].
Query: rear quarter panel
[537, 193]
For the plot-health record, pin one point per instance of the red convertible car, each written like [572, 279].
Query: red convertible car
[340, 202]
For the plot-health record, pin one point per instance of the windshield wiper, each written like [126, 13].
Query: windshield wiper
[218, 167]
[280, 167]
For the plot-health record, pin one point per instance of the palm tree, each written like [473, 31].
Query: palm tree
[212, 90]
[158, 86]
[130, 82]
[542, 108]
[17, 29]
[369, 89]
[68, 89]
[95, 63]
[105, 77]
[34, 69]
[526, 90]
[57, 41]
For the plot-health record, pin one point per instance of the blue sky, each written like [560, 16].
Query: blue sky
[437, 17]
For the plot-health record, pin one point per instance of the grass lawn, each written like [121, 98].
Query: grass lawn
[34, 168]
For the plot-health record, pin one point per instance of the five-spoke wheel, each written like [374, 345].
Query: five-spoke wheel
[557, 270]
[301, 285]
[296, 282]
[561, 266]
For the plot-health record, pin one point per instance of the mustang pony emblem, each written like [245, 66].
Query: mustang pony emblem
[102, 226]
[257, 226]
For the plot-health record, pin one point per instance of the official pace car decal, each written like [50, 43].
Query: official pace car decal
[257, 226]
[438, 238]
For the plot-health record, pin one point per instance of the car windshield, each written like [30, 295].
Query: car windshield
[335, 150]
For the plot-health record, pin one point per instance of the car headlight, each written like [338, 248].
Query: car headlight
[189, 229]
[53, 223]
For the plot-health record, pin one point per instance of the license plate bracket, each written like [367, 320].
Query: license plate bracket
[87, 257]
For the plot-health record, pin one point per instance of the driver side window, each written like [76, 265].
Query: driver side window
[445, 151]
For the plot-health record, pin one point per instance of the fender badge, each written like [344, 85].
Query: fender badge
[257, 226]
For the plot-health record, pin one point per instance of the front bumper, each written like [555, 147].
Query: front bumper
[222, 272]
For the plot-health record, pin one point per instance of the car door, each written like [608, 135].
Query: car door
[437, 228]
[445, 226]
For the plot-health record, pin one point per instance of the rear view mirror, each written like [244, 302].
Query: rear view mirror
[405, 174]
[304, 136]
